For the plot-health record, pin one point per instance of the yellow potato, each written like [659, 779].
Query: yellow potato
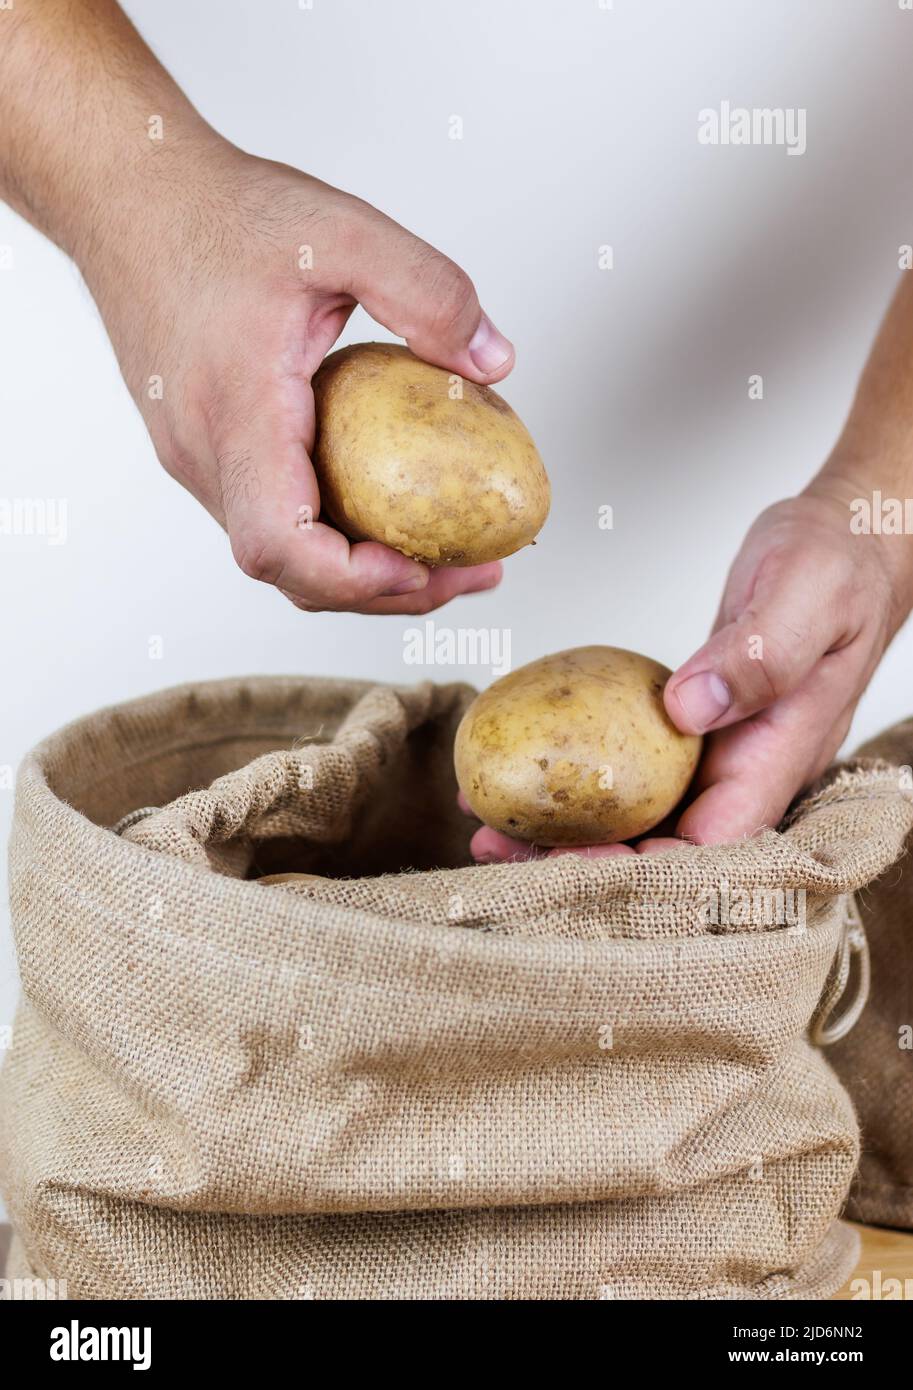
[424, 461]
[273, 879]
[575, 749]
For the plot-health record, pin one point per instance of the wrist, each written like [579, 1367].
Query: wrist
[839, 484]
[133, 198]
[88, 116]
[871, 499]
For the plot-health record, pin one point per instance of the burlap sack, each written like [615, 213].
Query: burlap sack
[567, 1079]
[875, 1060]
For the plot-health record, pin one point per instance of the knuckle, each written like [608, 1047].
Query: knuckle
[346, 596]
[768, 671]
[331, 594]
[181, 460]
[304, 605]
[422, 604]
[451, 293]
[838, 578]
[259, 559]
[771, 682]
[351, 229]
[355, 239]
[176, 465]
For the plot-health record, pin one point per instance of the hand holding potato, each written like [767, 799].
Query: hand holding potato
[237, 339]
[810, 605]
[243, 341]
[807, 613]
[434, 466]
[574, 749]
[808, 610]
[223, 280]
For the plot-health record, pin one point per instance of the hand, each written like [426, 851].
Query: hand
[808, 610]
[211, 303]
[223, 280]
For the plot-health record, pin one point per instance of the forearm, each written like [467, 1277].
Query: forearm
[78, 87]
[875, 449]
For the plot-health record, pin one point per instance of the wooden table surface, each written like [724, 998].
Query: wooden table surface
[885, 1256]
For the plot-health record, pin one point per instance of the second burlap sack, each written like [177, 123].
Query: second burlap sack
[875, 1060]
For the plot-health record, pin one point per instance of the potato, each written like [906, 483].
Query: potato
[272, 879]
[575, 749]
[401, 458]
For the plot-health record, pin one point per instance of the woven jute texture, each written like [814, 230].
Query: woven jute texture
[412, 1077]
[875, 1060]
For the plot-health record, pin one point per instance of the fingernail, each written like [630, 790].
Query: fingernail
[408, 586]
[487, 348]
[704, 698]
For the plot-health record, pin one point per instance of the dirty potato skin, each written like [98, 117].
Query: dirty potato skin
[270, 880]
[533, 751]
[444, 481]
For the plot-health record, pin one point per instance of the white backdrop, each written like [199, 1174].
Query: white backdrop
[580, 130]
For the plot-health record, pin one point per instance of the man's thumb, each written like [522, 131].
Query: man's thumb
[748, 664]
[422, 296]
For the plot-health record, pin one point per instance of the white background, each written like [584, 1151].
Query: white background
[580, 129]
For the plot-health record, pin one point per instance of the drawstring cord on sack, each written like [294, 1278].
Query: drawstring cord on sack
[824, 1028]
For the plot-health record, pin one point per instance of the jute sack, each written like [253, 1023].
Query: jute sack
[564, 1079]
[875, 1060]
